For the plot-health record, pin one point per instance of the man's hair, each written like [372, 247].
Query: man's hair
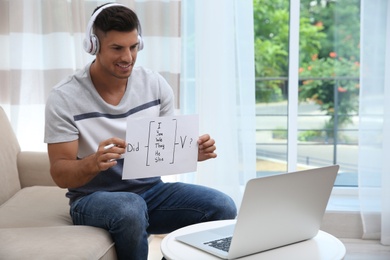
[118, 18]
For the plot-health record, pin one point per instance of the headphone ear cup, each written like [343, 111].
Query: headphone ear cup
[87, 44]
[91, 44]
[94, 44]
[140, 43]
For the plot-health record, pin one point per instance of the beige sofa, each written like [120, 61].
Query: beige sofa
[34, 212]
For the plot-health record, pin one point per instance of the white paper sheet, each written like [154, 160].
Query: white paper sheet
[161, 146]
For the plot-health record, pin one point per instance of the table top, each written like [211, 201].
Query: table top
[322, 246]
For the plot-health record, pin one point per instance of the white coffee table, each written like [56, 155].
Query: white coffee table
[323, 246]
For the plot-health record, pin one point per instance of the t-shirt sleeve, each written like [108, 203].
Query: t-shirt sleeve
[59, 122]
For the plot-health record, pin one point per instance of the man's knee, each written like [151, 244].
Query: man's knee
[219, 206]
[226, 208]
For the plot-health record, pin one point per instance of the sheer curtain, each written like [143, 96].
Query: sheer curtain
[218, 84]
[41, 43]
[374, 129]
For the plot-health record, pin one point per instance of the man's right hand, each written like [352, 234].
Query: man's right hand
[108, 152]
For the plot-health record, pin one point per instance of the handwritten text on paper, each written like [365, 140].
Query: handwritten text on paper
[161, 146]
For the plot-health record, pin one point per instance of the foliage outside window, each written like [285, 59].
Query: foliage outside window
[329, 54]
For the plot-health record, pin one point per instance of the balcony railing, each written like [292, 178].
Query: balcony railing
[318, 145]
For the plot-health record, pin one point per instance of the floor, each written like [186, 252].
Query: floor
[357, 249]
[154, 248]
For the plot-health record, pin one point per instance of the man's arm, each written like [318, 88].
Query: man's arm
[69, 172]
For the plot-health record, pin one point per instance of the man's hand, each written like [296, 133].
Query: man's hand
[206, 148]
[108, 152]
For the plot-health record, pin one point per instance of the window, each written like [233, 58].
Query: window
[328, 86]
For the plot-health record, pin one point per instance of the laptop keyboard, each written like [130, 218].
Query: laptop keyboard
[222, 244]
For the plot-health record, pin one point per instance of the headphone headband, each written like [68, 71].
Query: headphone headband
[91, 41]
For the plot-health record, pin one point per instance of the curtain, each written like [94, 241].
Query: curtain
[217, 82]
[374, 125]
[41, 44]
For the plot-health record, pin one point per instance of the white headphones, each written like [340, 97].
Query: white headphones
[91, 41]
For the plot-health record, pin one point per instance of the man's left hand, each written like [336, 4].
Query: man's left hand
[206, 148]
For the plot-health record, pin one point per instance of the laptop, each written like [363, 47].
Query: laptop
[276, 210]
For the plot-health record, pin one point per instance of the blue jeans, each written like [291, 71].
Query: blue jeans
[165, 207]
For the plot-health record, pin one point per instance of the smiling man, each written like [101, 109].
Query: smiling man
[85, 131]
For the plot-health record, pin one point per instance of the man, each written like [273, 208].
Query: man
[87, 112]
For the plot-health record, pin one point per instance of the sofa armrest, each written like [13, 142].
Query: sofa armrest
[34, 169]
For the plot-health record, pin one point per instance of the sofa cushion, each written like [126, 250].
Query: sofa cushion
[9, 179]
[37, 206]
[34, 169]
[59, 243]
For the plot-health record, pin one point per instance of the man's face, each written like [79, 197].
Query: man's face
[118, 53]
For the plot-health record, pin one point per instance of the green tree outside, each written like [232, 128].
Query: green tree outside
[329, 53]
